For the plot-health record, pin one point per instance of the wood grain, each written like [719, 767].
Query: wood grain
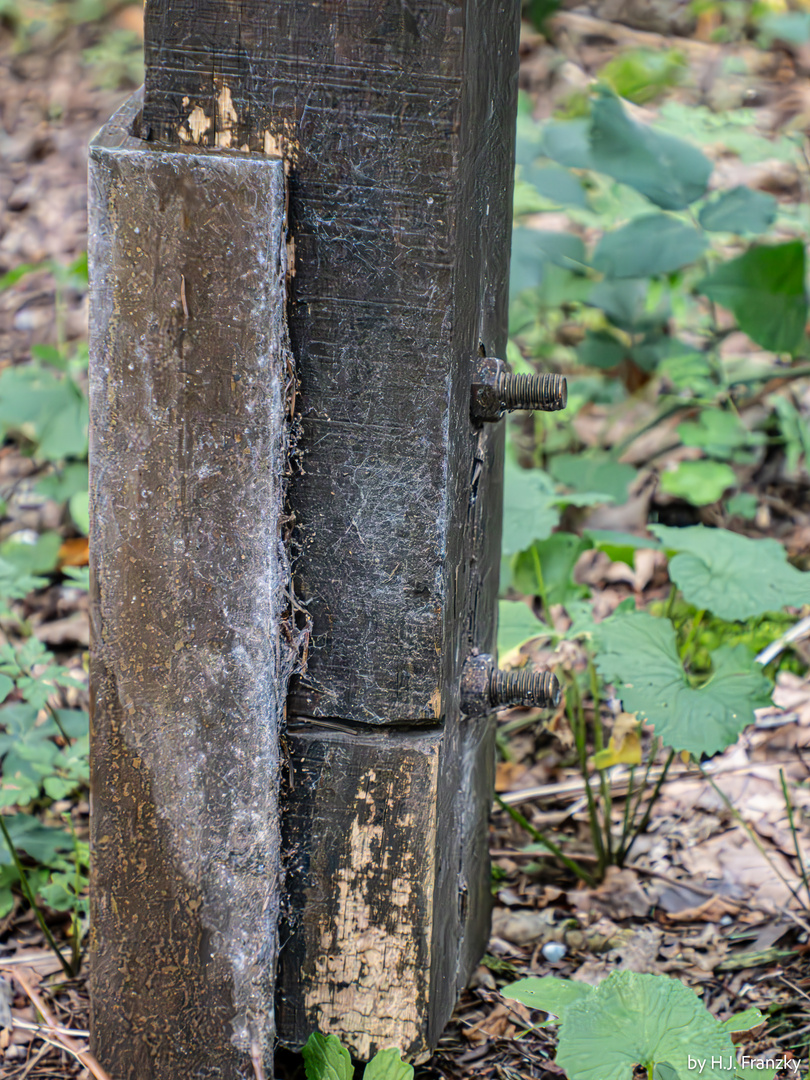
[189, 430]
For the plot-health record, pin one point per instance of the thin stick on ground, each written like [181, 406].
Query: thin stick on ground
[65, 1041]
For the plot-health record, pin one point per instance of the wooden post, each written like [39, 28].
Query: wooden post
[396, 121]
[189, 381]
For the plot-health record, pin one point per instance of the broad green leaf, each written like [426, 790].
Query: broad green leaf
[641, 74]
[516, 624]
[619, 546]
[61, 484]
[699, 482]
[721, 434]
[744, 1021]
[529, 508]
[626, 302]
[632, 1019]
[568, 143]
[601, 350]
[556, 184]
[554, 996]
[533, 251]
[670, 172]
[741, 211]
[593, 473]
[326, 1059]
[648, 246]
[639, 656]
[46, 409]
[388, 1065]
[664, 1071]
[546, 568]
[734, 576]
[765, 291]
[79, 506]
[6, 686]
[41, 842]
[792, 26]
[743, 503]
[32, 554]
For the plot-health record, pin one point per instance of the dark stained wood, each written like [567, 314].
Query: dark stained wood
[189, 381]
[396, 123]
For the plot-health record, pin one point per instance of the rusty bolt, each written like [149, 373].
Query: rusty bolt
[484, 687]
[496, 391]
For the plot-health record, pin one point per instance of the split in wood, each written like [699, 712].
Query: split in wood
[484, 687]
[495, 391]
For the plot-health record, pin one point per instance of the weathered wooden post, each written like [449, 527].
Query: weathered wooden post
[189, 384]
[395, 123]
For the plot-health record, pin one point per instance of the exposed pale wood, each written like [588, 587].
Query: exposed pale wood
[188, 394]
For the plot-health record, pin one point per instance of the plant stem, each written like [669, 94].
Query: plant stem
[626, 816]
[541, 585]
[599, 743]
[541, 838]
[577, 722]
[29, 895]
[622, 854]
[653, 799]
[671, 602]
[686, 652]
[752, 836]
[794, 834]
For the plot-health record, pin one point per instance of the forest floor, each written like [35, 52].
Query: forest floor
[709, 894]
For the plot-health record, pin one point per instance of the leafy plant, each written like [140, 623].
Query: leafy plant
[326, 1059]
[630, 1019]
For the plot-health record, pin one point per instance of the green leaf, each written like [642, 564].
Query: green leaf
[533, 250]
[388, 1065]
[744, 1021]
[734, 576]
[664, 1071]
[6, 686]
[556, 184]
[551, 995]
[546, 568]
[765, 291]
[639, 656]
[648, 246]
[568, 143]
[601, 350]
[593, 473]
[792, 26]
[47, 409]
[699, 482]
[42, 842]
[740, 211]
[529, 511]
[79, 506]
[670, 172]
[721, 434]
[625, 301]
[516, 624]
[632, 1019]
[32, 555]
[326, 1059]
[61, 484]
[744, 504]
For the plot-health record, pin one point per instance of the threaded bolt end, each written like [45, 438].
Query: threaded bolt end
[526, 687]
[548, 393]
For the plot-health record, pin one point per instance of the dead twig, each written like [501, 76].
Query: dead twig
[64, 1041]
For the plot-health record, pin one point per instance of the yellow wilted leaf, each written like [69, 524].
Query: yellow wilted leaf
[686, 757]
[624, 746]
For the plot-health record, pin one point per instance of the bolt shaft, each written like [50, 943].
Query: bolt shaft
[525, 687]
[546, 392]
